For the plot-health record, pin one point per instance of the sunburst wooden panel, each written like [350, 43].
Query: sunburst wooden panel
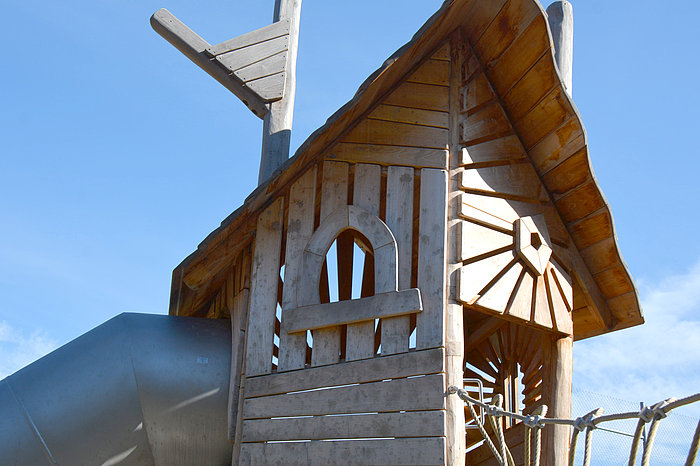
[509, 362]
[497, 277]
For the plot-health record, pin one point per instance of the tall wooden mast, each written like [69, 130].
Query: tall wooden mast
[258, 67]
[277, 124]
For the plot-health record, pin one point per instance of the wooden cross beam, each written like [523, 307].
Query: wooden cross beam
[258, 67]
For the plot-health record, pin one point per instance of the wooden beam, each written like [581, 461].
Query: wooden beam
[372, 370]
[592, 292]
[484, 330]
[193, 47]
[424, 451]
[318, 316]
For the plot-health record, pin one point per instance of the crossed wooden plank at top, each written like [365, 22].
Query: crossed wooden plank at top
[252, 66]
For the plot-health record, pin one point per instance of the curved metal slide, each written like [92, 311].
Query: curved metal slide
[137, 390]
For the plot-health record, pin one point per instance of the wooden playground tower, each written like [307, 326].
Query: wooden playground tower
[460, 169]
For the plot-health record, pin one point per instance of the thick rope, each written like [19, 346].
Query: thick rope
[635, 442]
[693, 453]
[493, 448]
[580, 424]
[589, 422]
[658, 411]
[541, 411]
[494, 414]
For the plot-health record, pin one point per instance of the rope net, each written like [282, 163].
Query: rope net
[535, 422]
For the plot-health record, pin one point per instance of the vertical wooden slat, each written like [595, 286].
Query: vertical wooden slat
[263, 301]
[557, 365]
[360, 337]
[399, 219]
[432, 240]
[334, 194]
[300, 226]
[243, 301]
[454, 318]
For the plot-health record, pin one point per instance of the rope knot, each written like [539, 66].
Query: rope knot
[533, 422]
[585, 422]
[655, 412]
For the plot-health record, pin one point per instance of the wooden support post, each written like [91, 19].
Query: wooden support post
[277, 124]
[557, 364]
[560, 16]
[454, 319]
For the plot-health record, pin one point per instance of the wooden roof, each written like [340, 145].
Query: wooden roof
[513, 43]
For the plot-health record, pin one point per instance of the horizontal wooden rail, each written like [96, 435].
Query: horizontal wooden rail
[391, 304]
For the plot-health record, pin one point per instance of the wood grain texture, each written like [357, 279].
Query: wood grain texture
[423, 96]
[514, 181]
[300, 225]
[245, 56]
[507, 25]
[399, 219]
[263, 292]
[372, 370]
[432, 71]
[432, 257]
[272, 31]
[397, 134]
[556, 394]
[474, 277]
[497, 297]
[419, 157]
[360, 337]
[413, 116]
[405, 424]
[476, 240]
[424, 393]
[382, 305]
[400, 452]
[334, 195]
[501, 150]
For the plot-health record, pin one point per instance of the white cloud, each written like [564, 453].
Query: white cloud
[18, 349]
[654, 361]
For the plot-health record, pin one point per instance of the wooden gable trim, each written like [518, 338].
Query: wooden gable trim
[545, 120]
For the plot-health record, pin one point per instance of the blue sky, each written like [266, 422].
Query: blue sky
[119, 156]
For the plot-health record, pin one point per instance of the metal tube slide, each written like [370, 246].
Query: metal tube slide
[137, 390]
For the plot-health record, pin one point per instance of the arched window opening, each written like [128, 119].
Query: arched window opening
[347, 273]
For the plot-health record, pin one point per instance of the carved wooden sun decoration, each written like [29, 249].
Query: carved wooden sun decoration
[513, 272]
[532, 242]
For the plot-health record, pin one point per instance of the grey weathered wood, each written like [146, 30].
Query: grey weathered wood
[277, 124]
[239, 317]
[300, 225]
[270, 88]
[272, 31]
[399, 452]
[560, 16]
[399, 218]
[319, 316]
[406, 424]
[334, 195]
[263, 293]
[431, 257]
[359, 343]
[192, 46]
[269, 66]
[415, 393]
[455, 432]
[246, 56]
[379, 368]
